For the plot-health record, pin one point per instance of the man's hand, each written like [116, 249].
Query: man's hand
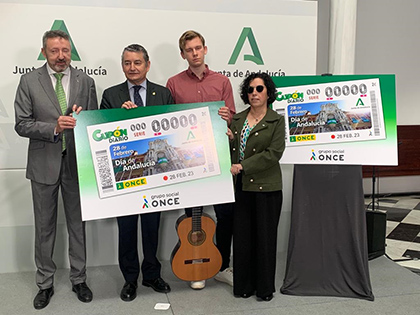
[224, 112]
[76, 109]
[65, 122]
[68, 122]
[128, 105]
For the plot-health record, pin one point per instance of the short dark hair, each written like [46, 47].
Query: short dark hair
[268, 82]
[136, 48]
[54, 34]
[189, 35]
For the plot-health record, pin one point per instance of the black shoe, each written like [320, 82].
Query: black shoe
[158, 284]
[129, 291]
[83, 292]
[43, 298]
[243, 295]
[266, 298]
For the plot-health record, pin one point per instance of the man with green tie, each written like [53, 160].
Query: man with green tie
[47, 101]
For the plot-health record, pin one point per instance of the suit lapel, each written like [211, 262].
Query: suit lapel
[241, 118]
[74, 87]
[123, 94]
[45, 81]
[150, 94]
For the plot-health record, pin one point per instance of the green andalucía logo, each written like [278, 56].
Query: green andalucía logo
[360, 102]
[60, 25]
[256, 57]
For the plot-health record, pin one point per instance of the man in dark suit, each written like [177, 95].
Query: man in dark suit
[137, 91]
[46, 101]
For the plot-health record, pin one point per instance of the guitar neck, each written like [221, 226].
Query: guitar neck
[196, 218]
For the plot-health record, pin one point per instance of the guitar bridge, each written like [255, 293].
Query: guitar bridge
[196, 261]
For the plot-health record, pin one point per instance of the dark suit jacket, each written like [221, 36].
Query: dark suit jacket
[36, 113]
[263, 151]
[115, 96]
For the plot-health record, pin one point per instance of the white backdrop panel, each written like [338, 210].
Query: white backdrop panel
[287, 45]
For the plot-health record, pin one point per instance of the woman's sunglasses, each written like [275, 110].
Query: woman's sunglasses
[259, 89]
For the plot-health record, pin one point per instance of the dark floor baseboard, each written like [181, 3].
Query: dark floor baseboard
[400, 194]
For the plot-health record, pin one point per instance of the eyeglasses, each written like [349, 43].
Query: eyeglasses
[259, 89]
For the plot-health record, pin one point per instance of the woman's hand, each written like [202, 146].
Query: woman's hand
[235, 169]
[230, 134]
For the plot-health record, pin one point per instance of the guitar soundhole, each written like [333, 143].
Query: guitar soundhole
[197, 238]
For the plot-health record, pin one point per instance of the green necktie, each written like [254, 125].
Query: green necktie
[61, 96]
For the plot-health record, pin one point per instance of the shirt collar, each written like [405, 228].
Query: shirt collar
[52, 72]
[192, 74]
[143, 84]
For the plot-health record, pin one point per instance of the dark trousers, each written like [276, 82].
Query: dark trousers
[45, 201]
[128, 246]
[224, 230]
[256, 218]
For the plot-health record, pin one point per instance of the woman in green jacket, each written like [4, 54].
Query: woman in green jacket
[257, 144]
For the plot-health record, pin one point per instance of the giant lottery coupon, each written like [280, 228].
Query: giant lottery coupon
[334, 112]
[150, 152]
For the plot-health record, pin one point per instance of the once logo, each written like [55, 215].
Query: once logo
[303, 138]
[331, 157]
[146, 203]
[132, 183]
[256, 57]
[60, 25]
[313, 157]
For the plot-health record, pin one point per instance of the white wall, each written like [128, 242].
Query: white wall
[387, 42]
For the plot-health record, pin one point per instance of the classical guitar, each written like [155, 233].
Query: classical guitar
[195, 257]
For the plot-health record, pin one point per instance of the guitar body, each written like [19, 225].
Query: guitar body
[195, 257]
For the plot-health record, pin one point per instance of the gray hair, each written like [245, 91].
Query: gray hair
[53, 34]
[136, 48]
